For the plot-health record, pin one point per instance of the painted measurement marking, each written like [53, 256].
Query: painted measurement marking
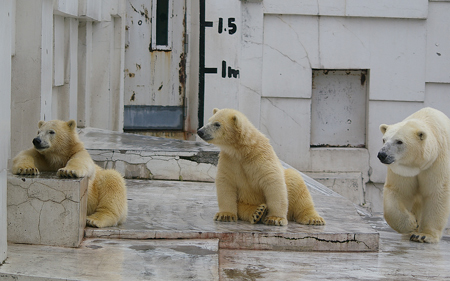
[232, 27]
[225, 26]
[232, 73]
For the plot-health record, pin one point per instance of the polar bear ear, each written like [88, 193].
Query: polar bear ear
[72, 124]
[422, 135]
[236, 120]
[215, 110]
[383, 128]
[40, 123]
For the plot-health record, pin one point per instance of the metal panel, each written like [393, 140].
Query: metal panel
[153, 117]
[338, 115]
[154, 77]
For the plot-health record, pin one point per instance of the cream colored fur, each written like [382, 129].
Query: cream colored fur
[416, 193]
[251, 183]
[57, 148]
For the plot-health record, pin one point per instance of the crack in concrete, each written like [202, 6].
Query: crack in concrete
[299, 41]
[205, 157]
[322, 240]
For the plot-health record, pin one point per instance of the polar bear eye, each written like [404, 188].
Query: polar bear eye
[51, 132]
[399, 142]
[217, 124]
[384, 141]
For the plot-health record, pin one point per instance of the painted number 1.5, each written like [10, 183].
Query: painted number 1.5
[232, 28]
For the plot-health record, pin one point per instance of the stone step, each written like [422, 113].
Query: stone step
[185, 210]
[112, 259]
[46, 209]
[147, 157]
[170, 223]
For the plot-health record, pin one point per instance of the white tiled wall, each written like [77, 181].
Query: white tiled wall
[283, 41]
[6, 50]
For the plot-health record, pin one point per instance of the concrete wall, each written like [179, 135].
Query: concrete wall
[69, 66]
[6, 51]
[402, 46]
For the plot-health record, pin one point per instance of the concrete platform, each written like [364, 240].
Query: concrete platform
[147, 157]
[185, 210]
[397, 259]
[46, 209]
[110, 260]
[157, 211]
[123, 259]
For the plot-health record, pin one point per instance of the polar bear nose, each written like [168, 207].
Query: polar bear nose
[200, 133]
[36, 141]
[382, 156]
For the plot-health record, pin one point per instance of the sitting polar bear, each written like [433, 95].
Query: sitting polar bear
[416, 193]
[57, 148]
[251, 183]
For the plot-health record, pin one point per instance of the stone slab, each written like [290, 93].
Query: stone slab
[148, 157]
[46, 210]
[185, 210]
[109, 259]
[398, 259]
[348, 184]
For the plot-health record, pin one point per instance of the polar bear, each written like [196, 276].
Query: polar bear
[251, 183]
[57, 148]
[417, 190]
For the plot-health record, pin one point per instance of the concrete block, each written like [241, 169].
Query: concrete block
[46, 210]
[350, 185]
[185, 210]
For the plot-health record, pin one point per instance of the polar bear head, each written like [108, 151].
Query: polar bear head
[55, 136]
[225, 127]
[408, 147]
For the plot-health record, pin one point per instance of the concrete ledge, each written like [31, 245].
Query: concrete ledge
[147, 157]
[185, 210]
[46, 210]
[107, 259]
[348, 184]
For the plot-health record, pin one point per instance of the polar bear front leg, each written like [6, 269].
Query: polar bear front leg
[24, 163]
[277, 204]
[396, 212]
[227, 200]
[80, 165]
[433, 220]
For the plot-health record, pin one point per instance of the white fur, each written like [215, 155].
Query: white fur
[250, 180]
[416, 193]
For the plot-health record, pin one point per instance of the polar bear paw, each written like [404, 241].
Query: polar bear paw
[312, 220]
[96, 221]
[92, 222]
[423, 238]
[225, 216]
[260, 212]
[26, 170]
[66, 173]
[272, 220]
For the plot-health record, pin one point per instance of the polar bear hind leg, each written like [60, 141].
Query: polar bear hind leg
[301, 206]
[251, 213]
[111, 208]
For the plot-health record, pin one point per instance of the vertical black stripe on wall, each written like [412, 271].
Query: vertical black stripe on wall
[201, 72]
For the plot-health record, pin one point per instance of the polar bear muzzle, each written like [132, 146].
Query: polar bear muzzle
[39, 144]
[385, 158]
[202, 133]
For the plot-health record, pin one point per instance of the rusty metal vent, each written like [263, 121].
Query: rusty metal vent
[153, 117]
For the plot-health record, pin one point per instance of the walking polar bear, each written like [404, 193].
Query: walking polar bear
[417, 190]
[251, 183]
